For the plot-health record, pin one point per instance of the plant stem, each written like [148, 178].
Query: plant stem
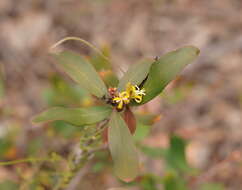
[80, 164]
[22, 161]
[82, 41]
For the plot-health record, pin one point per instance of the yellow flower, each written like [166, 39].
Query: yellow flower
[121, 99]
[131, 92]
[135, 92]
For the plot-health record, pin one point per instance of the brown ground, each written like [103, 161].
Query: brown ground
[209, 114]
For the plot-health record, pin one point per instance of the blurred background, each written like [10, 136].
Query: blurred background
[203, 106]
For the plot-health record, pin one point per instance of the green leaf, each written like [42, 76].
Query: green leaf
[175, 155]
[212, 186]
[141, 132]
[5, 145]
[8, 185]
[65, 129]
[122, 148]
[166, 69]
[135, 75]
[109, 78]
[153, 152]
[98, 167]
[34, 145]
[99, 62]
[61, 93]
[173, 182]
[75, 116]
[148, 182]
[82, 72]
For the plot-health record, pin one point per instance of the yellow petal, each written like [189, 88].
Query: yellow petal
[124, 95]
[117, 99]
[120, 105]
[138, 98]
[130, 89]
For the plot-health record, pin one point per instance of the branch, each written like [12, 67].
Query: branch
[82, 171]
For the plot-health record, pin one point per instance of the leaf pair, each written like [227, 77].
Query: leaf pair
[81, 71]
[159, 73]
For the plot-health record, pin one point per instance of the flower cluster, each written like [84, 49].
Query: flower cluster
[131, 93]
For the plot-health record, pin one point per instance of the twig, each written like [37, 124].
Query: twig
[80, 163]
[83, 169]
[80, 174]
[22, 161]
[87, 44]
[82, 41]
